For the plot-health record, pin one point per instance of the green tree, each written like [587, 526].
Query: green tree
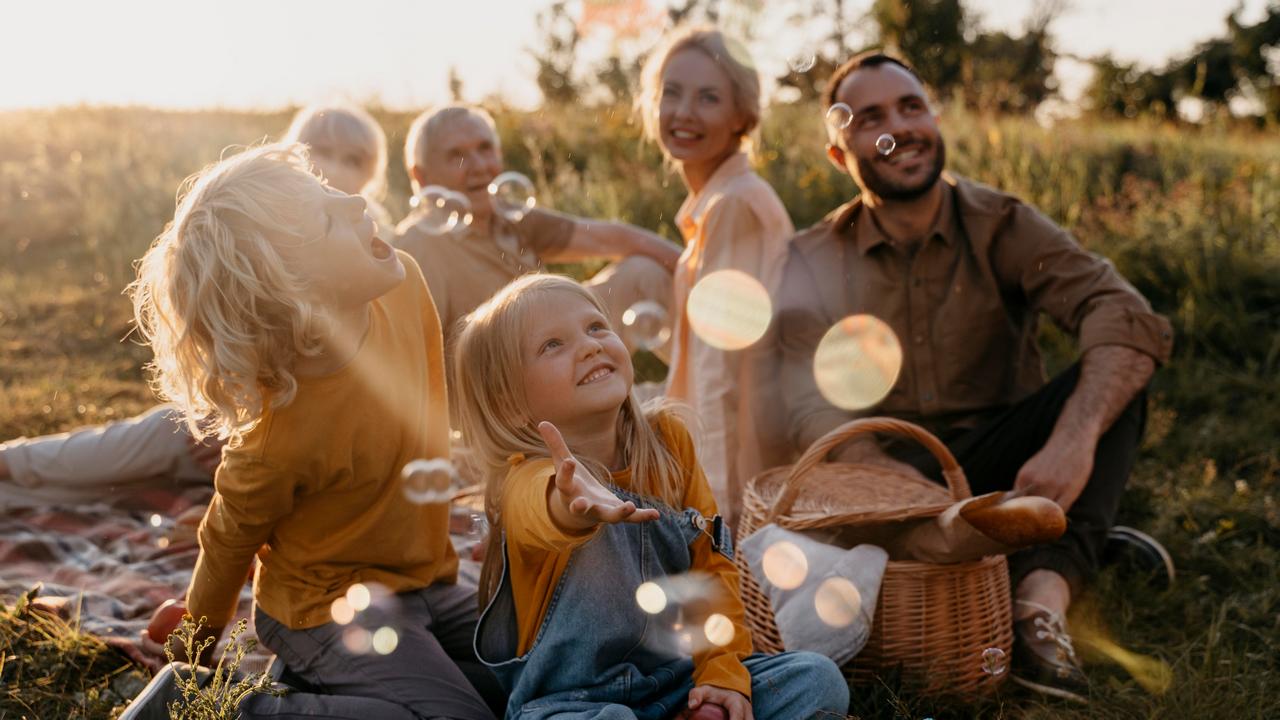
[558, 54]
[929, 33]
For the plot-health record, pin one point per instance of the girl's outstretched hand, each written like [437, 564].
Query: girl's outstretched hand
[579, 500]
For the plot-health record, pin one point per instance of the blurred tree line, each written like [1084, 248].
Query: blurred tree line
[985, 70]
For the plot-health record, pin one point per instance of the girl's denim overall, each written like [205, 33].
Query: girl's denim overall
[599, 655]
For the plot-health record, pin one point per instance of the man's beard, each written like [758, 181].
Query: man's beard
[887, 189]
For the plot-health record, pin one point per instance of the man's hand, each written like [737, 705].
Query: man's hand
[1059, 471]
[736, 706]
[578, 501]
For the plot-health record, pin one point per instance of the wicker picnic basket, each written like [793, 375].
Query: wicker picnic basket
[933, 622]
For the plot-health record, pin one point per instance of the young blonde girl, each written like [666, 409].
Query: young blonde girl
[700, 102]
[280, 322]
[348, 149]
[590, 497]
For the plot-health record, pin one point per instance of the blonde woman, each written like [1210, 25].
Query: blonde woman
[700, 102]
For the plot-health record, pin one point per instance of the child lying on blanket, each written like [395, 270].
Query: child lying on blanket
[282, 323]
[589, 497]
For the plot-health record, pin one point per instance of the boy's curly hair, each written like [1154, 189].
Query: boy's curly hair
[222, 312]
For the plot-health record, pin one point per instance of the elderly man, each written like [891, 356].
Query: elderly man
[457, 147]
[961, 273]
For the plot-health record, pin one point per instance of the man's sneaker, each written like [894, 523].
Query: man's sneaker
[1141, 552]
[1044, 659]
[154, 700]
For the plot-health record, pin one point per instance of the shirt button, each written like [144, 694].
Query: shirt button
[928, 397]
[919, 339]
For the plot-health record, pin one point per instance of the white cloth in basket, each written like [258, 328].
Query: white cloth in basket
[823, 596]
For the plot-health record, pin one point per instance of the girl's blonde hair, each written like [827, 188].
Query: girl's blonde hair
[345, 126]
[728, 54]
[498, 424]
[426, 128]
[220, 309]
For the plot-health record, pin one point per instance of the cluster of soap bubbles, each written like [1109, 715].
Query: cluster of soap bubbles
[727, 309]
[686, 612]
[513, 196]
[441, 210]
[840, 116]
[366, 614]
[428, 482]
[857, 362]
[837, 601]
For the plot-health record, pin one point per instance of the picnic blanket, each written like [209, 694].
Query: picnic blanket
[112, 562]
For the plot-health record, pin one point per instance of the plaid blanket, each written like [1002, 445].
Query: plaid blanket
[110, 564]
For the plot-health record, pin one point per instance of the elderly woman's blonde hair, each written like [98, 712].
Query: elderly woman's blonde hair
[345, 126]
[728, 54]
[426, 129]
[498, 425]
[223, 314]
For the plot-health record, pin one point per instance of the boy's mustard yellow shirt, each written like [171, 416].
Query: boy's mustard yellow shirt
[316, 485]
[538, 551]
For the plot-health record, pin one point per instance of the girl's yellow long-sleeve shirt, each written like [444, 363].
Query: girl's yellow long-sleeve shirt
[538, 551]
[315, 486]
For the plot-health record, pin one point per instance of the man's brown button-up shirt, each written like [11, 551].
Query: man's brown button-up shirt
[964, 302]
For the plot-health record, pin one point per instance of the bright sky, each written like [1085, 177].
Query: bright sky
[273, 53]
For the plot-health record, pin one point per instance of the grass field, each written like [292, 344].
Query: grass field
[1190, 216]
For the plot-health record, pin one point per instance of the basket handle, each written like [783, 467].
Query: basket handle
[951, 470]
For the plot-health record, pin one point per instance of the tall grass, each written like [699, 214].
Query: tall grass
[1191, 217]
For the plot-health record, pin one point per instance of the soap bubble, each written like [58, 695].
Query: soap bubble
[513, 195]
[994, 661]
[342, 611]
[839, 116]
[385, 640]
[802, 62]
[785, 565]
[357, 640]
[442, 210]
[429, 481]
[719, 630]
[688, 613]
[477, 527]
[857, 362]
[646, 326]
[359, 597]
[651, 598]
[729, 309]
[885, 144]
[837, 602]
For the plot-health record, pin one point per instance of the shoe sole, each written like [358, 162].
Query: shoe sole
[1050, 690]
[1151, 543]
